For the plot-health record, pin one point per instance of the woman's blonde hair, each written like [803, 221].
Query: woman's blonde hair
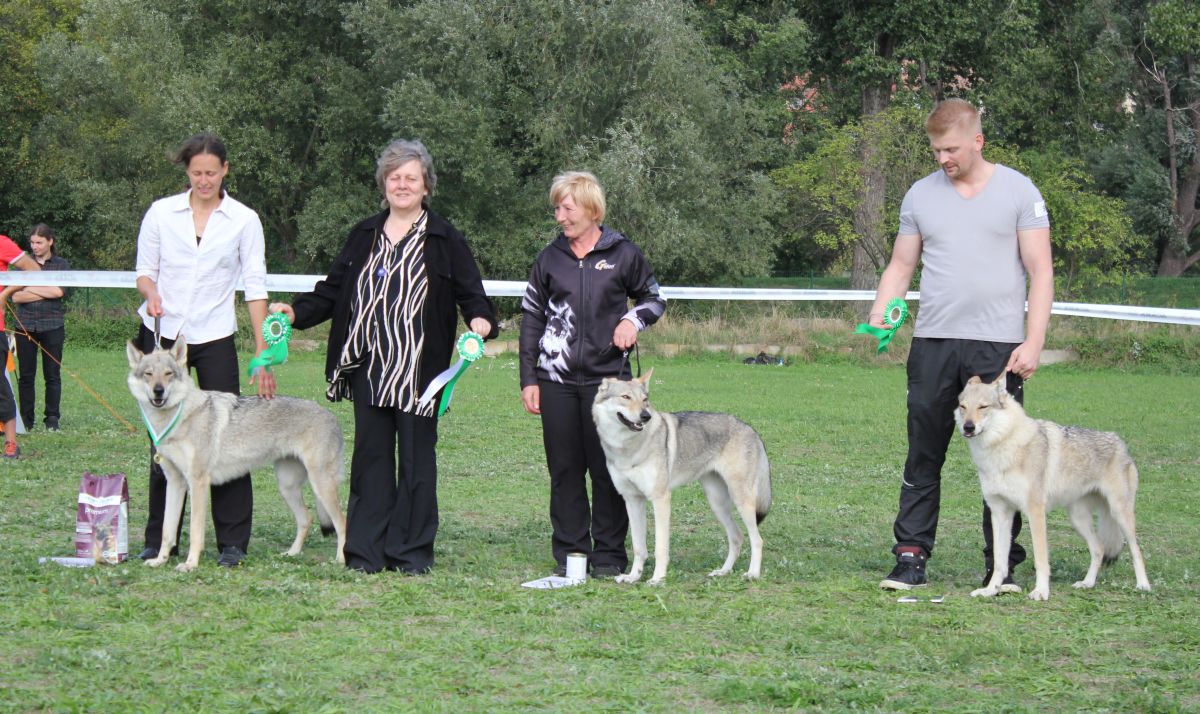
[581, 186]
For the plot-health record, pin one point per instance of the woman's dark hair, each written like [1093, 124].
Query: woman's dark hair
[46, 232]
[202, 143]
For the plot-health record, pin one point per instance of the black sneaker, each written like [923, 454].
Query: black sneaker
[604, 572]
[561, 570]
[1008, 586]
[51, 424]
[231, 556]
[150, 553]
[909, 573]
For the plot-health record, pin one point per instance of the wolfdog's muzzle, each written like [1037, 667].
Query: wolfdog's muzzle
[635, 425]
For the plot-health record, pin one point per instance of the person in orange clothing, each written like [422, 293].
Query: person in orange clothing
[11, 255]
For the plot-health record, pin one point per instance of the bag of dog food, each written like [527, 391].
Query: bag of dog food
[102, 520]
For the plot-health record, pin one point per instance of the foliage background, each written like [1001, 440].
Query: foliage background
[736, 139]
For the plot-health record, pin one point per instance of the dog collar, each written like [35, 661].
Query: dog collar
[155, 437]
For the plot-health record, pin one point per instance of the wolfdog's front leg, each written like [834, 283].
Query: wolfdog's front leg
[1002, 518]
[635, 506]
[200, 497]
[172, 512]
[662, 537]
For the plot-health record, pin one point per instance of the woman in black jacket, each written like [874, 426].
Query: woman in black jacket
[576, 326]
[392, 294]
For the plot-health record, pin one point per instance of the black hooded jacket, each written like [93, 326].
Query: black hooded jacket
[572, 306]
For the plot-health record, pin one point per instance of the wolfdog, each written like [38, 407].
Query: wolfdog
[207, 438]
[1033, 465]
[650, 453]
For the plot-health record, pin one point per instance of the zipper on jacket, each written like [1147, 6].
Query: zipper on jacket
[583, 299]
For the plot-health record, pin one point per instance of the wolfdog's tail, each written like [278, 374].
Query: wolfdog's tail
[762, 485]
[1112, 538]
[324, 519]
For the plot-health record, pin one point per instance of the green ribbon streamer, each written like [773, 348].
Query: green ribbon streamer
[155, 437]
[276, 331]
[470, 348]
[894, 316]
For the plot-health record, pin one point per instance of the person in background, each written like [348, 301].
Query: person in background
[391, 296]
[576, 324]
[40, 328]
[193, 248]
[11, 255]
[979, 230]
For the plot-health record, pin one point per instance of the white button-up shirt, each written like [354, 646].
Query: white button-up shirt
[197, 281]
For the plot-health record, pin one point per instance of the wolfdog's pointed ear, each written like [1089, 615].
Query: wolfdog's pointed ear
[974, 380]
[133, 353]
[1000, 387]
[179, 351]
[605, 382]
[644, 380]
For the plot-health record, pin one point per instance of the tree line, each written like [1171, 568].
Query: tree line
[734, 138]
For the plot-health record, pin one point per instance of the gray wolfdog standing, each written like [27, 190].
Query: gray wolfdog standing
[650, 453]
[1033, 465]
[207, 438]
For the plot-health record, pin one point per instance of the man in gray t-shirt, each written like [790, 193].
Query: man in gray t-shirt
[978, 229]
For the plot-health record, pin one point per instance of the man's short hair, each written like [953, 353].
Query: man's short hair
[584, 188]
[951, 114]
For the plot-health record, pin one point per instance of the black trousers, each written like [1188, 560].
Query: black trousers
[392, 517]
[216, 366]
[27, 355]
[573, 449]
[938, 369]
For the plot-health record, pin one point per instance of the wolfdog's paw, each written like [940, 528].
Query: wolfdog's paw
[985, 592]
[1084, 584]
[1039, 594]
[657, 581]
[1144, 587]
[750, 575]
[630, 578]
[185, 567]
[156, 561]
[291, 552]
[719, 573]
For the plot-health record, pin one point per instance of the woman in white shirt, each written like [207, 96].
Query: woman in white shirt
[193, 248]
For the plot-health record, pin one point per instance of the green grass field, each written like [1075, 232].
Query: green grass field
[815, 634]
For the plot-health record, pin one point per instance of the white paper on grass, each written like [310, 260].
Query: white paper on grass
[553, 582]
[70, 562]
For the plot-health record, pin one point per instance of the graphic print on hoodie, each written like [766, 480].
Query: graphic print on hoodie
[555, 345]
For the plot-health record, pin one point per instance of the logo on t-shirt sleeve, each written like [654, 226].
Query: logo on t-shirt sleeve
[1039, 209]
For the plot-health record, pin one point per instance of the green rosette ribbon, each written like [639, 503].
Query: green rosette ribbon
[894, 316]
[470, 348]
[276, 331]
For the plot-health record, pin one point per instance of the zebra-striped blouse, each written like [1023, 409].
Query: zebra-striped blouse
[386, 336]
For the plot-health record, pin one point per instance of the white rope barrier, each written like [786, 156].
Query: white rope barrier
[512, 288]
